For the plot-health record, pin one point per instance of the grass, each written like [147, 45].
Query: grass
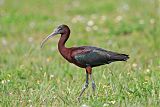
[30, 76]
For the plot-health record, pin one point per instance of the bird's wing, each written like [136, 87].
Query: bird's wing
[92, 56]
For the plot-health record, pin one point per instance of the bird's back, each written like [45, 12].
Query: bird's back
[93, 56]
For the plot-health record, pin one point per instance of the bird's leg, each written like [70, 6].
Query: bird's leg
[89, 70]
[93, 84]
[84, 87]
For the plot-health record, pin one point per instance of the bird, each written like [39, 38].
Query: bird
[85, 57]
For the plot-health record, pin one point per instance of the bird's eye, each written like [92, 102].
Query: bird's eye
[59, 28]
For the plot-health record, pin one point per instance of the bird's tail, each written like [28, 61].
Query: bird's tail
[120, 57]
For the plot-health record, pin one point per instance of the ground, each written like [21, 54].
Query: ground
[31, 76]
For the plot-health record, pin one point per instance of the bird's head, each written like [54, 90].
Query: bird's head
[61, 29]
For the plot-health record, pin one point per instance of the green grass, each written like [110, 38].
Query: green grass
[30, 76]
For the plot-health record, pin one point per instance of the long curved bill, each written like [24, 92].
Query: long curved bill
[48, 37]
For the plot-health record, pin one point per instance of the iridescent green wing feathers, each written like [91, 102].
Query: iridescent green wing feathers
[93, 56]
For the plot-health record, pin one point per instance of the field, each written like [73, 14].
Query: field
[32, 76]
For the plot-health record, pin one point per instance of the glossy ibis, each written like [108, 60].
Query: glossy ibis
[85, 56]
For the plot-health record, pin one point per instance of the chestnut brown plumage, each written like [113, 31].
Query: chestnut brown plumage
[85, 56]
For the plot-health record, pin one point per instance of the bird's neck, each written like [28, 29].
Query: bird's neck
[61, 44]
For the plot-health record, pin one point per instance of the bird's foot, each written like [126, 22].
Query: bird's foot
[79, 98]
[93, 84]
[83, 89]
[93, 87]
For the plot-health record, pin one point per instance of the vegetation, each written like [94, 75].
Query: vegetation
[31, 76]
